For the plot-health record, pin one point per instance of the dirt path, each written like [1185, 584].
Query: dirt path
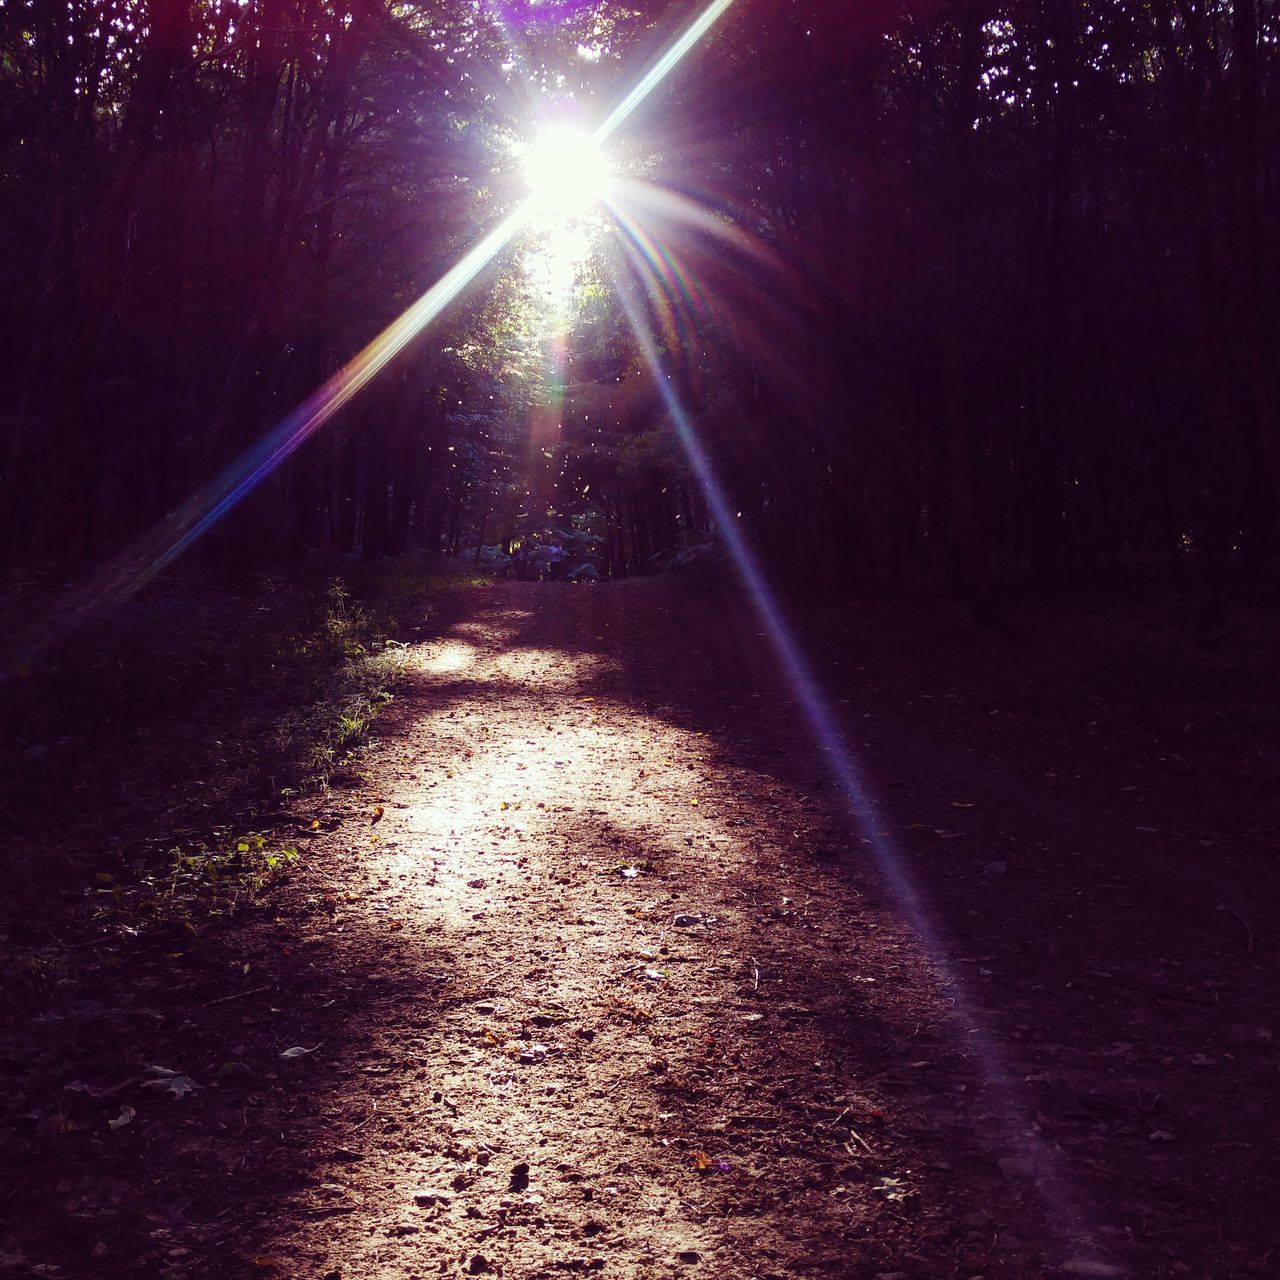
[623, 992]
[587, 972]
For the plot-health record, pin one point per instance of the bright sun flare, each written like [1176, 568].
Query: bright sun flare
[567, 171]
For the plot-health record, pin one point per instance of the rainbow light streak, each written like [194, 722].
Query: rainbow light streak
[678, 292]
[663, 278]
[1061, 1214]
[207, 507]
[662, 68]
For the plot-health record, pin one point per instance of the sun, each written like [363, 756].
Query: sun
[567, 172]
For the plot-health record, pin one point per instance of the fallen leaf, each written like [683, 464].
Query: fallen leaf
[178, 1086]
[126, 1114]
[378, 811]
[892, 1189]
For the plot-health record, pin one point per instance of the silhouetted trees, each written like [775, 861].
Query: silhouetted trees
[1011, 298]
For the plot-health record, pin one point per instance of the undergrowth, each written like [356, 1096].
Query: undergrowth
[138, 751]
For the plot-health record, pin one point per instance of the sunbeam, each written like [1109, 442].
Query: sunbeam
[161, 546]
[567, 170]
[850, 779]
[664, 66]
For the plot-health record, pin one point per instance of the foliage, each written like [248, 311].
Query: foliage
[204, 704]
[968, 281]
[234, 874]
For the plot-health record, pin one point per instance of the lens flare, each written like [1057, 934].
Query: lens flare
[567, 171]
[846, 772]
[664, 66]
[155, 550]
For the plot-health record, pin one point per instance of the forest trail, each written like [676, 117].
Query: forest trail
[585, 971]
[619, 1013]
[627, 996]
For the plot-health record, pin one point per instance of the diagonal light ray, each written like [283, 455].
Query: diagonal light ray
[208, 506]
[663, 67]
[1009, 1104]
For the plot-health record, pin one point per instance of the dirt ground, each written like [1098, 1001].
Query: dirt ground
[587, 967]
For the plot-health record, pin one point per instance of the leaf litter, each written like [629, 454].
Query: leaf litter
[632, 1102]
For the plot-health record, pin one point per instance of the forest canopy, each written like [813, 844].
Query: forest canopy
[940, 285]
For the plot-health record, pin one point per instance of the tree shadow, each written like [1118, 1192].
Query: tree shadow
[611, 784]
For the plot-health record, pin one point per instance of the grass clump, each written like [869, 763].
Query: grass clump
[189, 714]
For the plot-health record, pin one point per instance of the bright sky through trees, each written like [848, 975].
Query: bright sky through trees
[567, 171]
[568, 176]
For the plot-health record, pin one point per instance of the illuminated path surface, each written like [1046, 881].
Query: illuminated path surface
[461, 980]
[488, 989]
[512, 997]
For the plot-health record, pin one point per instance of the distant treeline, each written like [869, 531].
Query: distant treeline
[1012, 295]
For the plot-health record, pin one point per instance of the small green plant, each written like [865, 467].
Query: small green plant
[237, 874]
[351, 728]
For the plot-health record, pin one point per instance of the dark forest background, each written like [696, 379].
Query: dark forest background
[1018, 311]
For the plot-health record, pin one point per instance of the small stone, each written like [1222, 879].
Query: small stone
[485, 1008]
[404, 1229]
[520, 1177]
[478, 1265]
[100, 1251]
[1092, 1269]
[425, 1199]
[689, 1255]
[1249, 1033]
[892, 1275]
[685, 921]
